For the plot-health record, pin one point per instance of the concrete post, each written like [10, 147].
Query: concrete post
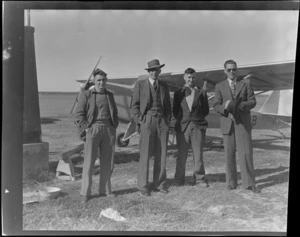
[31, 120]
[35, 152]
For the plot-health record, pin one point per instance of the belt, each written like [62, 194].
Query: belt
[102, 123]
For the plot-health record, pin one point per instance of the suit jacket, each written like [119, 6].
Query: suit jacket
[184, 116]
[245, 93]
[142, 101]
[86, 107]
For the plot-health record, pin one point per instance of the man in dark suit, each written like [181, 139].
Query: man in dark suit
[151, 111]
[190, 107]
[96, 117]
[234, 98]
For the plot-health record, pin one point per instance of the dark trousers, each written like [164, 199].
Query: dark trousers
[153, 142]
[98, 138]
[239, 137]
[195, 136]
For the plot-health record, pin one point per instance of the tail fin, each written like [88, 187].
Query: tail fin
[278, 103]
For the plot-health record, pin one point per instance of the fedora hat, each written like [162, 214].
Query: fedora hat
[154, 64]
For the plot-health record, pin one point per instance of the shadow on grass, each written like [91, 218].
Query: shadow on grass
[189, 181]
[37, 176]
[261, 172]
[271, 180]
[53, 166]
[122, 157]
[278, 137]
[46, 120]
[62, 194]
[268, 144]
[173, 149]
[125, 191]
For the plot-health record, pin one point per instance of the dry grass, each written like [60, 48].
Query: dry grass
[184, 209]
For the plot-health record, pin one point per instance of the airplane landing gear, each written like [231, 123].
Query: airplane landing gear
[120, 141]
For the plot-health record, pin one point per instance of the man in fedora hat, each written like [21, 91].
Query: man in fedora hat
[151, 111]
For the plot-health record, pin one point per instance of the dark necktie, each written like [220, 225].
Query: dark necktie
[155, 85]
[232, 85]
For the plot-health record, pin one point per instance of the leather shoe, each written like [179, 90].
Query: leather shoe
[144, 193]
[254, 189]
[153, 188]
[230, 187]
[202, 184]
[178, 184]
[164, 190]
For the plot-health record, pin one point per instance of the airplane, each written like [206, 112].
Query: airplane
[274, 77]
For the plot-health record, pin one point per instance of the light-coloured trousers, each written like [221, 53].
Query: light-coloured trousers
[100, 137]
[195, 136]
[239, 137]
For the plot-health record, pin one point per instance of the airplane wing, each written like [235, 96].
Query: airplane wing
[120, 86]
[121, 81]
[264, 77]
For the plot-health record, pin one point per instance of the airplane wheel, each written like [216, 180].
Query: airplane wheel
[120, 142]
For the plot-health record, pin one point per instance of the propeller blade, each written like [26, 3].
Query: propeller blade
[86, 86]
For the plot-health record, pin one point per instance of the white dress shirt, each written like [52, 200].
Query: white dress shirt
[152, 81]
[190, 97]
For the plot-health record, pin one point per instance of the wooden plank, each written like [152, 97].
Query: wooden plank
[68, 152]
[65, 169]
[31, 197]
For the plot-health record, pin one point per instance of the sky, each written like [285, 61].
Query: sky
[68, 43]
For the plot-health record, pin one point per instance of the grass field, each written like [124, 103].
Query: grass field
[184, 209]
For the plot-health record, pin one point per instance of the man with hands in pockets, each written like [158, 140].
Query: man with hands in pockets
[96, 117]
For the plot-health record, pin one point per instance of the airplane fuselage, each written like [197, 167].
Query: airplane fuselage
[258, 120]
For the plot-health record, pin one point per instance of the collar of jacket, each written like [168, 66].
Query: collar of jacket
[184, 88]
[96, 92]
